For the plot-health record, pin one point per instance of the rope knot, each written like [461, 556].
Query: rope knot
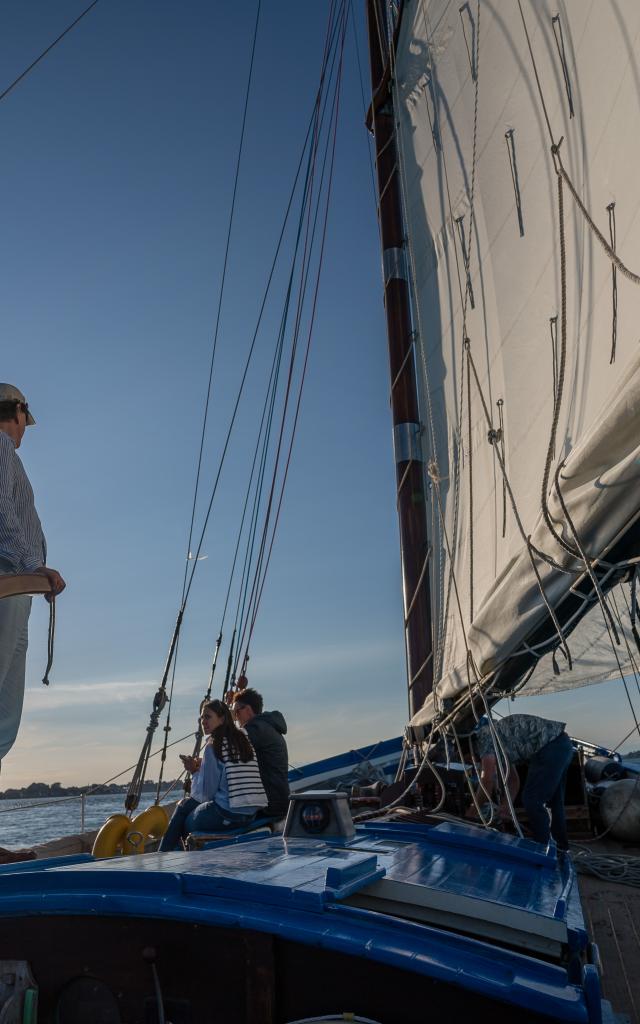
[555, 153]
[494, 436]
[433, 472]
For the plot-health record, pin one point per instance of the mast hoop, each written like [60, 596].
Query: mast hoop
[394, 265]
[407, 442]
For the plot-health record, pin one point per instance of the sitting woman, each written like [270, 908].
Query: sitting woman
[226, 789]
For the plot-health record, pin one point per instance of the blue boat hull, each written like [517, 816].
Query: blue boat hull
[394, 924]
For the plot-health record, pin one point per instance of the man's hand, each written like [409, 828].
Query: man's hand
[56, 581]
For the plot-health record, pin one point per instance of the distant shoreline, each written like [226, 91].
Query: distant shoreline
[40, 790]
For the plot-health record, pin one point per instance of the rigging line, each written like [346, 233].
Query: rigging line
[527, 539]
[472, 218]
[305, 270]
[265, 407]
[44, 53]
[243, 593]
[561, 172]
[364, 104]
[583, 555]
[432, 471]
[632, 661]
[622, 677]
[623, 740]
[504, 765]
[309, 337]
[615, 259]
[305, 206]
[487, 822]
[167, 726]
[470, 463]
[221, 292]
[268, 412]
[560, 381]
[537, 76]
[240, 613]
[631, 612]
[255, 335]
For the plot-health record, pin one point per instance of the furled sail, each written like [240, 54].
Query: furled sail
[530, 525]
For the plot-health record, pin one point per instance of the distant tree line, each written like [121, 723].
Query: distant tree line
[44, 789]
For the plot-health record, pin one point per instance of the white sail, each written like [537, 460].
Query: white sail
[481, 190]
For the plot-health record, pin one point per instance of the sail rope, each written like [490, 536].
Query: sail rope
[619, 867]
[562, 173]
[633, 665]
[330, 149]
[195, 557]
[49, 48]
[162, 698]
[426, 763]
[531, 549]
[356, 46]
[221, 290]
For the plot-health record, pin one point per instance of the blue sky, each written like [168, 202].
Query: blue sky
[115, 184]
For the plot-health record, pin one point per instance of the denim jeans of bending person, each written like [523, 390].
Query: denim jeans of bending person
[191, 816]
[545, 787]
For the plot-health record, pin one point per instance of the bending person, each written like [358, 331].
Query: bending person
[547, 751]
[226, 788]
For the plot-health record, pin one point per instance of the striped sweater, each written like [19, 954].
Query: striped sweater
[243, 782]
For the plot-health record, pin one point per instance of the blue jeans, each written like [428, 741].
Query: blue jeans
[545, 786]
[191, 816]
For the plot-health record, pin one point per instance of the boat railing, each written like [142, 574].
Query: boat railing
[32, 805]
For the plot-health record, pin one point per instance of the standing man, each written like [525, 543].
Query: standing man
[22, 549]
[266, 731]
[547, 750]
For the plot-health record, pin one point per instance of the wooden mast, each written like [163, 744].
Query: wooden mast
[407, 433]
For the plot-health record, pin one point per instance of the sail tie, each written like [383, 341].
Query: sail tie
[50, 638]
[559, 37]
[511, 150]
[611, 210]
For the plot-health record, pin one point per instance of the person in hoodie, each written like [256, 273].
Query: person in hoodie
[266, 731]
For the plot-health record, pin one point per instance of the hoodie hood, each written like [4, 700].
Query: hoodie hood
[273, 718]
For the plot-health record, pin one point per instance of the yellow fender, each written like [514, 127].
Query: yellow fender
[109, 840]
[149, 824]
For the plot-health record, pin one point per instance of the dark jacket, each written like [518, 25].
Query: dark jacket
[266, 732]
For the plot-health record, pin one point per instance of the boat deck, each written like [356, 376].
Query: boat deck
[612, 915]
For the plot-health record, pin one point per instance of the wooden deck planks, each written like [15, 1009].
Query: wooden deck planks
[612, 913]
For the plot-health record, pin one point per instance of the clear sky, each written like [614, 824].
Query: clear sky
[115, 184]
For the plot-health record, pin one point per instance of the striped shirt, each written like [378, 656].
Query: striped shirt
[244, 784]
[234, 785]
[22, 544]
